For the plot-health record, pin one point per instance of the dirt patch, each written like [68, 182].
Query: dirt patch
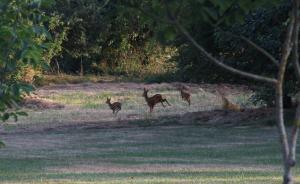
[35, 102]
[127, 86]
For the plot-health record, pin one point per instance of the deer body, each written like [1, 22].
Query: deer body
[115, 107]
[227, 105]
[152, 101]
[185, 95]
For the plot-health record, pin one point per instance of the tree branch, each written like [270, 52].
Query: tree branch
[225, 13]
[287, 47]
[257, 47]
[213, 59]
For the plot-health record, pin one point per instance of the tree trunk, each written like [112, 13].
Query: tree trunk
[81, 67]
[287, 177]
[58, 68]
[290, 162]
[286, 148]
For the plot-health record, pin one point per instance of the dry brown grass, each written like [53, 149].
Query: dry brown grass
[84, 104]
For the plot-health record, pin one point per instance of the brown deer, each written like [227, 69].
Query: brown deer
[227, 105]
[152, 101]
[115, 107]
[185, 95]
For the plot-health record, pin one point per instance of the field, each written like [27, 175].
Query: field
[70, 136]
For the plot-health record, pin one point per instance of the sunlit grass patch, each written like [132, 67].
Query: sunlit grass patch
[86, 102]
[73, 79]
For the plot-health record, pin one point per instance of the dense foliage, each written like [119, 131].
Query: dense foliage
[136, 39]
[100, 38]
[208, 22]
[219, 27]
[23, 40]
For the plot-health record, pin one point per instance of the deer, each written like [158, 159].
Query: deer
[185, 95]
[115, 107]
[227, 105]
[152, 101]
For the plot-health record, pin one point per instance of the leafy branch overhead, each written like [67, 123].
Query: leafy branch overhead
[23, 41]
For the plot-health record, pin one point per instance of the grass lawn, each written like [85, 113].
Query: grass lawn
[86, 102]
[167, 154]
[70, 152]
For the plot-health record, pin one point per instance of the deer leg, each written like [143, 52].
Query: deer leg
[165, 100]
[151, 109]
[162, 104]
[189, 101]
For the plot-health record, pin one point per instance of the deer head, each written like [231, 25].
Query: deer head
[145, 94]
[108, 100]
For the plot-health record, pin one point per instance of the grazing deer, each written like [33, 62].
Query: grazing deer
[227, 105]
[152, 101]
[185, 95]
[115, 107]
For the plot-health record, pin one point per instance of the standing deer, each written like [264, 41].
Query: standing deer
[152, 101]
[115, 107]
[185, 95]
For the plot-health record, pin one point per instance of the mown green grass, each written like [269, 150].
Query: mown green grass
[176, 154]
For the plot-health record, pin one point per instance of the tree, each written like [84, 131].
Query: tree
[59, 32]
[102, 38]
[288, 148]
[23, 39]
[180, 13]
[84, 26]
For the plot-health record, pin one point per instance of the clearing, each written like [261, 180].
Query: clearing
[70, 136]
